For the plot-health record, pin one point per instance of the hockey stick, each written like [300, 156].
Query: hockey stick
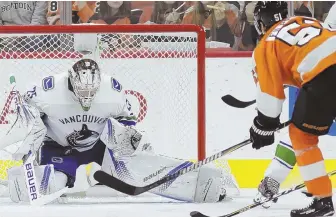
[234, 102]
[297, 187]
[119, 185]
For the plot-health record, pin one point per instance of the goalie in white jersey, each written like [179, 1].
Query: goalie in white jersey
[89, 120]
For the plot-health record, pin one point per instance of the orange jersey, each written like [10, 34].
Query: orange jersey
[292, 52]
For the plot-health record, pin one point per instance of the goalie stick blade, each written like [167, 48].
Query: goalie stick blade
[114, 183]
[123, 187]
[232, 101]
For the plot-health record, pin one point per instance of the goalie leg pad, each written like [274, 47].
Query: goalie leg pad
[210, 186]
[204, 185]
[44, 183]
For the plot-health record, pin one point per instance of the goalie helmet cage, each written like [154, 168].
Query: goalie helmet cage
[162, 49]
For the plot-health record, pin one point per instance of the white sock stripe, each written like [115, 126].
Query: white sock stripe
[313, 171]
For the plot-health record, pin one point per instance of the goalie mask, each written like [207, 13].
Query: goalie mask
[85, 81]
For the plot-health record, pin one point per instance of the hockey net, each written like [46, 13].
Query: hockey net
[160, 67]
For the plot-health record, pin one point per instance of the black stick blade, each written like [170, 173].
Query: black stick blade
[114, 183]
[197, 214]
[232, 101]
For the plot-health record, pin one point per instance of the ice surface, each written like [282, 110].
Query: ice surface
[150, 207]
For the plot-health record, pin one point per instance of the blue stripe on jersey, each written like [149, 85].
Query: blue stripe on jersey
[127, 122]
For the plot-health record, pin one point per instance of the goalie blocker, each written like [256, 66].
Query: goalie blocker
[125, 152]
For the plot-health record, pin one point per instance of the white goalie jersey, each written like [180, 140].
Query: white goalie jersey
[67, 123]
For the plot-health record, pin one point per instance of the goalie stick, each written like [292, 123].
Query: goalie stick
[121, 186]
[234, 102]
[297, 187]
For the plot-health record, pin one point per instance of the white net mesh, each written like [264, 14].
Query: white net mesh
[158, 72]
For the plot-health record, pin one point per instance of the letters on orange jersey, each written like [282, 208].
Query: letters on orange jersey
[292, 52]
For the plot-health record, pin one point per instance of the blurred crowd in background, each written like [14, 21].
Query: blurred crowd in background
[229, 22]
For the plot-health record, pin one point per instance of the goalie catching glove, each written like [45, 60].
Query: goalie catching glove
[28, 131]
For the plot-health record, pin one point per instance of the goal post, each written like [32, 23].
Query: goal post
[175, 54]
[161, 69]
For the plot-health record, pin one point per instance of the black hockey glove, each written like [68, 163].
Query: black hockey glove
[262, 130]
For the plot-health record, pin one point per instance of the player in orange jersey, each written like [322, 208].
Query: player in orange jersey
[297, 51]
